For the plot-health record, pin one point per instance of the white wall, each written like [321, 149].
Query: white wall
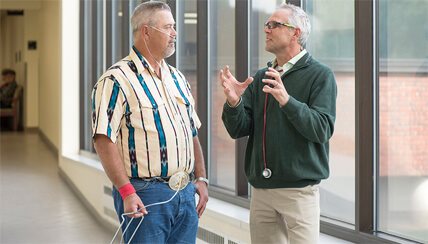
[2, 16]
[13, 44]
[20, 4]
[12, 35]
[49, 71]
[31, 57]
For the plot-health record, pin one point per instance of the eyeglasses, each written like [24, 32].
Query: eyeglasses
[274, 24]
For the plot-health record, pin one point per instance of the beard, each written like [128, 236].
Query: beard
[169, 51]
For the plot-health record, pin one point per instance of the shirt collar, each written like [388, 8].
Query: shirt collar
[292, 61]
[296, 58]
[137, 57]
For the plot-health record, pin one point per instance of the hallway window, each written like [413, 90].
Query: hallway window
[91, 63]
[221, 53]
[332, 42]
[120, 29]
[104, 41]
[186, 42]
[403, 119]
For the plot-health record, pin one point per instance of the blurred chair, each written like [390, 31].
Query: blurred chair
[14, 110]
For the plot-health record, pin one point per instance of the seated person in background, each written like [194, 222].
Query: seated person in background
[7, 88]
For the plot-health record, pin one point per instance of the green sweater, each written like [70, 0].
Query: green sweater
[297, 134]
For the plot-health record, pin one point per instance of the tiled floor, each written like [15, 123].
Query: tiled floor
[36, 206]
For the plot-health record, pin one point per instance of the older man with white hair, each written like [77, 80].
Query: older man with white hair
[288, 111]
[145, 130]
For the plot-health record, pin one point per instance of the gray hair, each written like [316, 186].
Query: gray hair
[300, 19]
[143, 15]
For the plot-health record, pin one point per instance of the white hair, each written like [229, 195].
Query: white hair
[143, 15]
[299, 19]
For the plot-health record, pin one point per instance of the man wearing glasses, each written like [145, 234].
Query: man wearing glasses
[288, 111]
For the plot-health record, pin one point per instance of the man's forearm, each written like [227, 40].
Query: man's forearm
[111, 160]
[199, 159]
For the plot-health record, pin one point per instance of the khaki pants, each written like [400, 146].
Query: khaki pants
[285, 215]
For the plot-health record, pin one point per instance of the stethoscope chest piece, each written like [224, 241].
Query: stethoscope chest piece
[267, 173]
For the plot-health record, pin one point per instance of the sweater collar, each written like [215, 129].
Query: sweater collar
[301, 63]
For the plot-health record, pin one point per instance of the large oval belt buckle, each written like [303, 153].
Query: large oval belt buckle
[178, 181]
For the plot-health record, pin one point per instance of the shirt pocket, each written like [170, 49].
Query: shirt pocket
[183, 104]
[186, 112]
[150, 115]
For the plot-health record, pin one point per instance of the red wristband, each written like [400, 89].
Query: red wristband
[126, 190]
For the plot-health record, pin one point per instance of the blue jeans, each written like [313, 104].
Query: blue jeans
[172, 222]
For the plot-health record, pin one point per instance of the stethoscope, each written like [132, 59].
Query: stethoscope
[267, 173]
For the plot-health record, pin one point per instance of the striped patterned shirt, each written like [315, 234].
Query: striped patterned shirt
[152, 121]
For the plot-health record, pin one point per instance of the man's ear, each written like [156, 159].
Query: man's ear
[297, 33]
[144, 31]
